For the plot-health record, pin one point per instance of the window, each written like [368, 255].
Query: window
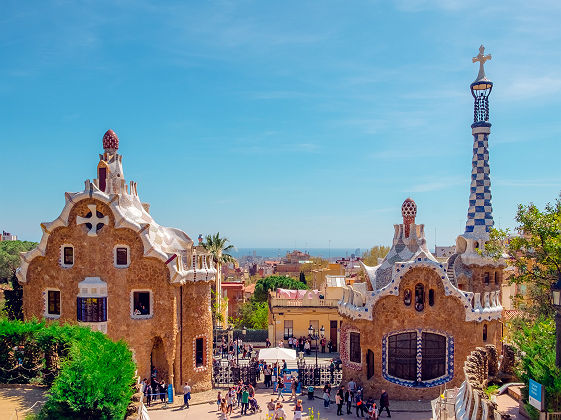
[419, 297]
[402, 364]
[102, 177]
[407, 297]
[53, 302]
[486, 278]
[402, 355]
[92, 309]
[369, 364]
[496, 277]
[199, 352]
[434, 356]
[141, 304]
[431, 297]
[122, 256]
[484, 332]
[67, 256]
[354, 353]
[288, 328]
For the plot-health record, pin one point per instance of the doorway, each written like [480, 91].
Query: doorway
[333, 335]
[158, 362]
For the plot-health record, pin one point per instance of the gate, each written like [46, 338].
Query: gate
[319, 375]
[229, 375]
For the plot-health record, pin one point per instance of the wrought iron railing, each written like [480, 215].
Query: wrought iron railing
[319, 375]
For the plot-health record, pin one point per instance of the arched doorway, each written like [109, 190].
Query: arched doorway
[158, 362]
[369, 364]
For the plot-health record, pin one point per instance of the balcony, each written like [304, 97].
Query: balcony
[304, 303]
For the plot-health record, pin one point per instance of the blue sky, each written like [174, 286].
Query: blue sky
[279, 123]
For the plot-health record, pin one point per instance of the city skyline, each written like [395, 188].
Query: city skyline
[278, 127]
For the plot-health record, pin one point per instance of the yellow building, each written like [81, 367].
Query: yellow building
[318, 278]
[291, 312]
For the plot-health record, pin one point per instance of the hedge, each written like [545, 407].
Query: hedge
[91, 377]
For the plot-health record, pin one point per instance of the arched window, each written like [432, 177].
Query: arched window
[484, 332]
[431, 297]
[486, 277]
[496, 277]
[407, 297]
[434, 356]
[369, 364]
[419, 297]
[402, 355]
[476, 245]
[102, 176]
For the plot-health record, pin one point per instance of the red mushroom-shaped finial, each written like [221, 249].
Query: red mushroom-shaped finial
[408, 211]
[110, 140]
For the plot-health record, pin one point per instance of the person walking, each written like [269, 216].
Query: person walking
[163, 392]
[280, 388]
[245, 401]
[293, 387]
[384, 403]
[267, 372]
[218, 401]
[348, 400]
[224, 410]
[326, 399]
[230, 400]
[186, 394]
[148, 393]
[323, 342]
[298, 408]
[359, 405]
[339, 399]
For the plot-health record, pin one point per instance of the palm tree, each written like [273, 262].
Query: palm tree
[218, 248]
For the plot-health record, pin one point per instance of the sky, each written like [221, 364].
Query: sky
[279, 124]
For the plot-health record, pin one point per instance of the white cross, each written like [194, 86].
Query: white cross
[93, 220]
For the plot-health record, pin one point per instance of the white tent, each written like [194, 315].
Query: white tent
[277, 353]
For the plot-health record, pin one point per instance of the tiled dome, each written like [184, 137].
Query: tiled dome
[409, 210]
[110, 140]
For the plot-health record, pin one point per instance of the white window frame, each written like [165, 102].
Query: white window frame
[46, 313]
[151, 314]
[62, 264]
[115, 256]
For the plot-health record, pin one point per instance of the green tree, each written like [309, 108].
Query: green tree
[535, 252]
[13, 305]
[9, 257]
[253, 315]
[535, 344]
[264, 285]
[371, 257]
[219, 249]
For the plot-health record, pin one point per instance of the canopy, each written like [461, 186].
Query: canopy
[277, 353]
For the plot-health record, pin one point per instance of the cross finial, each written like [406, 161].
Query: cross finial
[482, 58]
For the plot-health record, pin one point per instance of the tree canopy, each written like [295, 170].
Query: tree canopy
[219, 248]
[9, 257]
[371, 257]
[264, 285]
[535, 253]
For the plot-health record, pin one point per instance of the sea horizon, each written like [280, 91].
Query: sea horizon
[275, 253]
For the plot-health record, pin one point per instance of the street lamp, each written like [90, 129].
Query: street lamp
[556, 300]
[314, 336]
[244, 332]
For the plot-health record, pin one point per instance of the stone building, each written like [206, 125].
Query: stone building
[409, 328]
[105, 263]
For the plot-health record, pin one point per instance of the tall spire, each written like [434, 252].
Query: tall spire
[480, 211]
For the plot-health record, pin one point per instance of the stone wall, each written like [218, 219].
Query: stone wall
[154, 340]
[481, 367]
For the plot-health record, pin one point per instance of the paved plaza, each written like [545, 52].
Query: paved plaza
[401, 410]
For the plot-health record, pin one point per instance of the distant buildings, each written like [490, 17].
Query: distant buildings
[7, 236]
[444, 251]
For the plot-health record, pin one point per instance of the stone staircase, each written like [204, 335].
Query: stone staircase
[450, 269]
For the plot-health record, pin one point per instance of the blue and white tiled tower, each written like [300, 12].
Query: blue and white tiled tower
[480, 211]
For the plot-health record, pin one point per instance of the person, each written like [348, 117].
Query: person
[163, 392]
[339, 404]
[373, 412]
[326, 399]
[330, 346]
[271, 406]
[186, 394]
[298, 408]
[339, 399]
[280, 388]
[148, 393]
[230, 400]
[307, 347]
[311, 391]
[384, 403]
[224, 409]
[239, 389]
[284, 366]
[281, 344]
[267, 342]
[245, 401]
[143, 386]
[323, 342]
[359, 404]
[348, 400]
[267, 372]
[218, 401]
[332, 369]
[280, 414]
[352, 387]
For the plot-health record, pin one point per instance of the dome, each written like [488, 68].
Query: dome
[409, 210]
[110, 140]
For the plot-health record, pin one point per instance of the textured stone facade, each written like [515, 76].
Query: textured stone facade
[391, 315]
[161, 262]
